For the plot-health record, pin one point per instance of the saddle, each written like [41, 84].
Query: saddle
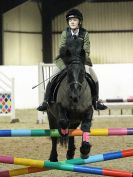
[56, 81]
[92, 84]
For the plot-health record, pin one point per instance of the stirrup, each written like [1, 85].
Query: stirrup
[52, 101]
[43, 106]
[100, 105]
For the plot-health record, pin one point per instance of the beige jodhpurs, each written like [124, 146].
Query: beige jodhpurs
[88, 69]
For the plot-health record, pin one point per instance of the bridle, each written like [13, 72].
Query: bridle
[75, 82]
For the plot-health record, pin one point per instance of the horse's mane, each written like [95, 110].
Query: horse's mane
[73, 51]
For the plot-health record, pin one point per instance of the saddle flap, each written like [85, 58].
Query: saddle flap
[56, 81]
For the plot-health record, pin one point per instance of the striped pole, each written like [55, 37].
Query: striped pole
[118, 100]
[46, 164]
[69, 167]
[76, 161]
[88, 169]
[20, 171]
[72, 132]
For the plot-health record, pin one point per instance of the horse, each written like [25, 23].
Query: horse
[73, 105]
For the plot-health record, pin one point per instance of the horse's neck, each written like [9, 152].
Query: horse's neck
[64, 86]
[86, 92]
[62, 91]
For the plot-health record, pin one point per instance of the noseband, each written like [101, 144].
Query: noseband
[75, 82]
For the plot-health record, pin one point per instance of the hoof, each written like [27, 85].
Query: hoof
[53, 160]
[85, 150]
[53, 157]
[84, 156]
[70, 155]
[69, 158]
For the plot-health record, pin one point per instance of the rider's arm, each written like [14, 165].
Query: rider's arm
[59, 63]
[63, 39]
[87, 49]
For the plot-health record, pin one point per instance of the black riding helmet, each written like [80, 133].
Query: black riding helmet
[74, 13]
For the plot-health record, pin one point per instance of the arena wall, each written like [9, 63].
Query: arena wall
[115, 81]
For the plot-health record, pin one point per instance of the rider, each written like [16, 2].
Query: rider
[74, 20]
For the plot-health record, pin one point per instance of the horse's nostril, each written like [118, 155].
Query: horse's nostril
[70, 97]
[75, 100]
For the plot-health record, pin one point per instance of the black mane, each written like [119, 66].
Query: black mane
[73, 51]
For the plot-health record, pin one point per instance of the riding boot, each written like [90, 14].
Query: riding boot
[98, 105]
[43, 106]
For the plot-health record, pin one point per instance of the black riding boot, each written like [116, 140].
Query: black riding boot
[98, 105]
[43, 106]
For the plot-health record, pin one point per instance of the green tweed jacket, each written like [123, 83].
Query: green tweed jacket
[86, 46]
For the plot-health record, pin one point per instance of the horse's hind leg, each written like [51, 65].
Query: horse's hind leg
[53, 155]
[71, 149]
[86, 125]
[71, 144]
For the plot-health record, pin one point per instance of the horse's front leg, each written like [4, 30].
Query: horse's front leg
[63, 122]
[53, 155]
[85, 127]
[53, 125]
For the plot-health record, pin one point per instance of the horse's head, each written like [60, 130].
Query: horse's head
[73, 51]
[75, 78]
[73, 56]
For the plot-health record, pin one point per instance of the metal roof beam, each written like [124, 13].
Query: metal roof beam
[100, 1]
[10, 4]
[59, 7]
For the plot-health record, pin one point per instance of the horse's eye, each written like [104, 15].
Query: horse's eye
[82, 73]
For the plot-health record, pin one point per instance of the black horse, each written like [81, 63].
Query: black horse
[73, 106]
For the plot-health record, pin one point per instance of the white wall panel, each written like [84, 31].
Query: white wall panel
[25, 17]
[22, 35]
[11, 49]
[106, 47]
[20, 41]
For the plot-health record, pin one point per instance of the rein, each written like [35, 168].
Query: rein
[75, 82]
[75, 62]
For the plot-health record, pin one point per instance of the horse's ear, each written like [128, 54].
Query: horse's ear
[67, 57]
[65, 54]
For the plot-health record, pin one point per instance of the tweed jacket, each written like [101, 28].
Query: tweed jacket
[86, 46]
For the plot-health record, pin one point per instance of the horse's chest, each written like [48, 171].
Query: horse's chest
[83, 103]
[74, 116]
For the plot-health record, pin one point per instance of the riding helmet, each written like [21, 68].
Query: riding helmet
[74, 13]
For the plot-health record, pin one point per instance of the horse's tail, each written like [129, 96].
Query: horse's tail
[63, 140]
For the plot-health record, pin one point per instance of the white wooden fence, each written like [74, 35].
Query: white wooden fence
[123, 109]
[7, 101]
